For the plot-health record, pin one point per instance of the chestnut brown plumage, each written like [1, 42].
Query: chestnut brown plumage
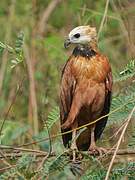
[85, 92]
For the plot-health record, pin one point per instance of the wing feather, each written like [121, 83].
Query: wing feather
[100, 125]
[66, 96]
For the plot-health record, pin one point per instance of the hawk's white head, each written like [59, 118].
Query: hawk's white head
[81, 35]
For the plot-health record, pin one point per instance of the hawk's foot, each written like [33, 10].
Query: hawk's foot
[94, 150]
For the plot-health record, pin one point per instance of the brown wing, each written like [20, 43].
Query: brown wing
[100, 125]
[66, 95]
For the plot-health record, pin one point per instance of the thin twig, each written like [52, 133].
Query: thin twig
[12, 103]
[7, 163]
[110, 151]
[23, 149]
[46, 15]
[117, 131]
[103, 19]
[18, 155]
[100, 13]
[7, 168]
[119, 152]
[5, 158]
[107, 153]
[9, 23]
[50, 149]
[118, 144]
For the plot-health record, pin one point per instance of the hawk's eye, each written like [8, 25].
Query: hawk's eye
[77, 35]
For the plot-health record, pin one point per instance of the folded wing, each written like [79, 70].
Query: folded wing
[66, 96]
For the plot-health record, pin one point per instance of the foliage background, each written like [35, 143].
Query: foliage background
[31, 58]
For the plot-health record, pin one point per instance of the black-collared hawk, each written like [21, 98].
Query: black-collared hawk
[85, 91]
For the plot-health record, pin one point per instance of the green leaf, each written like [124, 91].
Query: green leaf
[53, 117]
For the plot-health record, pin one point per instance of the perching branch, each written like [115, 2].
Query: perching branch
[18, 152]
[119, 152]
[10, 152]
[22, 149]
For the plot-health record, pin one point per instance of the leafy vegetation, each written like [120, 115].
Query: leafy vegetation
[31, 60]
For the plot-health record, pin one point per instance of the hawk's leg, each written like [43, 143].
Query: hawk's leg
[93, 148]
[73, 145]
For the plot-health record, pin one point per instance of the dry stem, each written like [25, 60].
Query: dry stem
[118, 144]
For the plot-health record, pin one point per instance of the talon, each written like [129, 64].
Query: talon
[97, 150]
[76, 155]
[65, 125]
[80, 157]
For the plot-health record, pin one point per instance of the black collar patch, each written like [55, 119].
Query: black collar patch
[84, 51]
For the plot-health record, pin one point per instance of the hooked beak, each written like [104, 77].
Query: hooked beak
[67, 43]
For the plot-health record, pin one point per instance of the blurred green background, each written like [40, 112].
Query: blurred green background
[45, 24]
[32, 33]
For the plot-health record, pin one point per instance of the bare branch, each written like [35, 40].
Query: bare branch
[45, 16]
[103, 19]
[12, 103]
[22, 149]
[118, 144]
[119, 152]
[50, 148]
[32, 91]
[7, 39]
